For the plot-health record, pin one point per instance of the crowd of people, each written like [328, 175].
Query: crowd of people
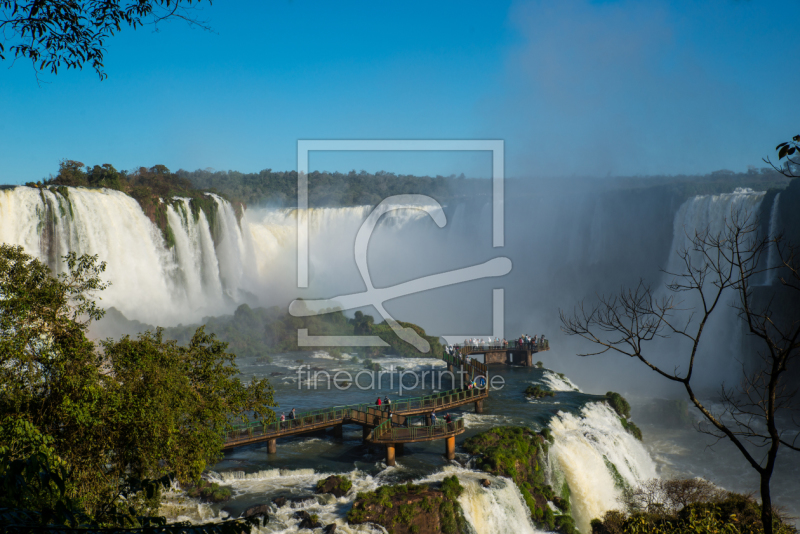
[523, 341]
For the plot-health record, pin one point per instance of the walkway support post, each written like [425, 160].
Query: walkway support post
[399, 448]
[390, 455]
[364, 433]
[272, 446]
[479, 406]
[450, 451]
[337, 431]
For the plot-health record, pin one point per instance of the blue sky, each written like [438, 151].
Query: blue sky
[573, 87]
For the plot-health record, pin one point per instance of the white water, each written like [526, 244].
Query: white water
[709, 212]
[722, 338]
[772, 259]
[583, 447]
[498, 509]
[557, 382]
[210, 270]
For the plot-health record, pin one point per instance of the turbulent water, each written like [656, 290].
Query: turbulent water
[564, 245]
[772, 259]
[588, 441]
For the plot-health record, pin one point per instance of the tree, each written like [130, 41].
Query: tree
[117, 417]
[791, 151]
[70, 33]
[713, 266]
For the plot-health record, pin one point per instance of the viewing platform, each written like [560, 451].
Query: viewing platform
[377, 427]
[395, 438]
[513, 353]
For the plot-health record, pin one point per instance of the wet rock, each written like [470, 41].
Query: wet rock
[307, 520]
[335, 484]
[275, 373]
[485, 482]
[330, 529]
[280, 502]
[260, 510]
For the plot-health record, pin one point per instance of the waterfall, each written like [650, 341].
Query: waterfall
[213, 265]
[709, 212]
[495, 510]
[202, 274]
[772, 261]
[498, 509]
[723, 333]
[598, 458]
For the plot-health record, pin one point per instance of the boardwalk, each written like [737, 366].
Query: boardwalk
[513, 353]
[366, 415]
[377, 427]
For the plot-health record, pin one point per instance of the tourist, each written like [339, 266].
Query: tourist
[378, 403]
[283, 421]
[433, 418]
[388, 404]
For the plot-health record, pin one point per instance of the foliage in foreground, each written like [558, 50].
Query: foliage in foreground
[686, 506]
[110, 420]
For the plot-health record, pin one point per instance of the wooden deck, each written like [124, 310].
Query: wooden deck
[414, 434]
[361, 414]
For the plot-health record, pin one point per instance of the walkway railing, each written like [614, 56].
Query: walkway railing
[511, 345]
[315, 419]
[473, 367]
[389, 433]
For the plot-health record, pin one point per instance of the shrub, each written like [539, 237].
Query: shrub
[538, 392]
[619, 404]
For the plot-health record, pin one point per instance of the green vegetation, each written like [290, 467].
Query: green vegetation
[538, 392]
[623, 409]
[208, 491]
[335, 484]
[258, 332]
[89, 432]
[324, 189]
[619, 404]
[684, 507]
[154, 189]
[519, 453]
[411, 508]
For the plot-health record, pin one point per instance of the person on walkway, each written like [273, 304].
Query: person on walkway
[283, 421]
[378, 403]
[387, 403]
[433, 418]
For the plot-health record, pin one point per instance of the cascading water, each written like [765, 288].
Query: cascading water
[723, 334]
[598, 458]
[213, 265]
[772, 260]
[208, 271]
[497, 509]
